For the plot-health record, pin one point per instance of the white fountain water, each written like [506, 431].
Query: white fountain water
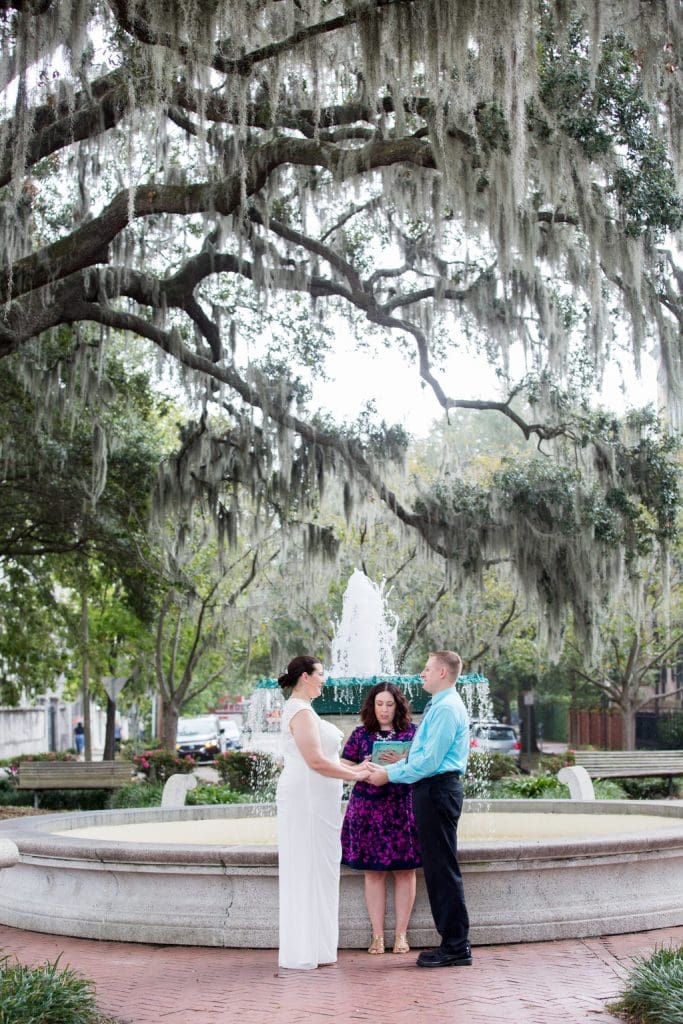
[362, 651]
[365, 637]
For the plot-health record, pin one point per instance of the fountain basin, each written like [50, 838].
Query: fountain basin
[562, 885]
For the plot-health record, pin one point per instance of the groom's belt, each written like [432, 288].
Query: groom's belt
[439, 775]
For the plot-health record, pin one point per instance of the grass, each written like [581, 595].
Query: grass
[46, 995]
[655, 989]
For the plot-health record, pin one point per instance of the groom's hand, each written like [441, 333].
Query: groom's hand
[378, 776]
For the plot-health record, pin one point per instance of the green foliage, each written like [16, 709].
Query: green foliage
[46, 995]
[10, 796]
[76, 497]
[75, 799]
[158, 764]
[491, 766]
[550, 764]
[608, 789]
[533, 787]
[542, 493]
[138, 794]
[654, 992]
[492, 127]
[645, 789]
[148, 794]
[670, 732]
[47, 755]
[214, 793]
[607, 114]
[249, 771]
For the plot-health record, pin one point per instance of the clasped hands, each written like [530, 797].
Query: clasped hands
[373, 773]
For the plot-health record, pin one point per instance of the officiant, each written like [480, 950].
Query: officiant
[379, 836]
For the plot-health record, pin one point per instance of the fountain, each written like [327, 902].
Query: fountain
[362, 654]
[533, 869]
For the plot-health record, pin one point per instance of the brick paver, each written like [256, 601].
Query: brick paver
[567, 981]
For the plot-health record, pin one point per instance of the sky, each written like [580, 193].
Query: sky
[399, 395]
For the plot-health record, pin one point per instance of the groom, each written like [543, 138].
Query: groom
[435, 767]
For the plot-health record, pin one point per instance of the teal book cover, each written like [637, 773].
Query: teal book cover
[396, 746]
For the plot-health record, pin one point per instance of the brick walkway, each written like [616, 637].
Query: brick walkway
[567, 981]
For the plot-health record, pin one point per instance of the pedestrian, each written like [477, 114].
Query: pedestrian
[79, 738]
[435, 768]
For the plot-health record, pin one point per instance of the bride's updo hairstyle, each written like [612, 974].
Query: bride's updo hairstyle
[296, 668]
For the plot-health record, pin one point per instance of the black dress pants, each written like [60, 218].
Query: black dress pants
[437, 804]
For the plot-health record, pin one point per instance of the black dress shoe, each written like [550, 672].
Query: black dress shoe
[442, 958]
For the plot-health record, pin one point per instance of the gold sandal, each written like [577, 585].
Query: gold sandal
[401, 943]
[377, 945]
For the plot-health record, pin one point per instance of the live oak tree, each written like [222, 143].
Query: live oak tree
[440, 173]
[640, 646]
[75, 498]
[197, 614]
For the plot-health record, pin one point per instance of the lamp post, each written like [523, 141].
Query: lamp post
[529, 745]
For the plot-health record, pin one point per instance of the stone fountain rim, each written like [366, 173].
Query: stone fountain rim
[34, 837]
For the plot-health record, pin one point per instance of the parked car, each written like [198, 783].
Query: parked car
[494, 737]
[204, 736]
[232, 736]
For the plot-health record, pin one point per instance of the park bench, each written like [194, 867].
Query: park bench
[40, 775]
[629, 764]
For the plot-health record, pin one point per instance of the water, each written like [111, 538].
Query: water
[365, 637]
[477, 700]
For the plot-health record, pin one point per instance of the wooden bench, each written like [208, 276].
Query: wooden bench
[630, 764]
[38, 775]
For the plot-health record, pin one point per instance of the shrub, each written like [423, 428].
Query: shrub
[10, 796]
[550, 764]
[249, 771]
[148, 794]
[138, 794]
[645, 789]
[608, 789]
[491, 766]
[48, 755]
[74, 799]
[655, 989]
[157, 765]
[214, 793]
[130, 747]
[46, 995]
[670, 732]
[534, 787]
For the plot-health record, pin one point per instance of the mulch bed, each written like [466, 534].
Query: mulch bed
[20, 812]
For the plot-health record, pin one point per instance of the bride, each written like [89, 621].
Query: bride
[309, 795]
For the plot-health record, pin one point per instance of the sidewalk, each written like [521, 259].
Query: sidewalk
[567, 981]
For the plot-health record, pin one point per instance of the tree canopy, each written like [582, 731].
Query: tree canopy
[441, 174]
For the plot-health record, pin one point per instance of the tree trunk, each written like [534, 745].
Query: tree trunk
[628, 716]
[109, 731]
[85, 672]
[169, 724]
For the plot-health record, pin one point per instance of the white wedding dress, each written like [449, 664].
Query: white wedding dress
[309, 848]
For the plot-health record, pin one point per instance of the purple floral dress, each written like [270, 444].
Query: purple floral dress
[378, 833]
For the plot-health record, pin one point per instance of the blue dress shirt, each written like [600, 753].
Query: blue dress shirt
[441, 743]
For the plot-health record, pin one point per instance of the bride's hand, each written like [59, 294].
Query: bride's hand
[362, 773]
